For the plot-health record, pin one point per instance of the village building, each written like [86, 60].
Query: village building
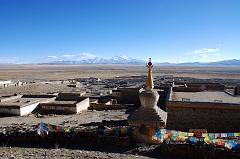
[4, 83]
[21, 105]
[203, 106]
[66, 103]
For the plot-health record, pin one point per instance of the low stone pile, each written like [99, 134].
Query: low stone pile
[26, 135]
[18, 134]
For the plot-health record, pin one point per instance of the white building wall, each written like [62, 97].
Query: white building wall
[28, 109]
[5, 82]
[82, 105]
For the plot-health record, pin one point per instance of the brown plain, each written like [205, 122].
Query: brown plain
[61, 72]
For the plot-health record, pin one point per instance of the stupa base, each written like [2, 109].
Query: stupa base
[152, 117]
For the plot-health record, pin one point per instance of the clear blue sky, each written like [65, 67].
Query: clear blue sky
[166, 30]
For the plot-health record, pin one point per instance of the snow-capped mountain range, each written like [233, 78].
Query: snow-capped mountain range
[86, 58]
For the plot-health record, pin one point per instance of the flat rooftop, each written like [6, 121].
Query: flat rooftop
[205, 96]
[63, 102]
[21, 102]
[3, 97]
[5, 82]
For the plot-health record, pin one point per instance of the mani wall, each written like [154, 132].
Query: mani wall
[215, 117]
[127, 95]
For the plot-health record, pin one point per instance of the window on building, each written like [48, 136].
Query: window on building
[186, 99]
[218, 101]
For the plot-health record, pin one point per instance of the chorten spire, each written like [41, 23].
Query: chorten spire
[149, 116]
[149, 82]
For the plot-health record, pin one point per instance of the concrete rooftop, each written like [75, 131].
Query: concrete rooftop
[206, 96]
[21, 102]
[63, 102]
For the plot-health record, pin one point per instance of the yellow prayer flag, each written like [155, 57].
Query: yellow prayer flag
[237, 134]
[163, 131]
[67, 130]
[181, 133]
[206, 139]
[190, 134]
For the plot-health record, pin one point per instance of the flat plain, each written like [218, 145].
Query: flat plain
[58, 72]
[39, 73]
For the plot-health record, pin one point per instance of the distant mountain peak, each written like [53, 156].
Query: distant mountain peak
[233, 62]
[86, 58]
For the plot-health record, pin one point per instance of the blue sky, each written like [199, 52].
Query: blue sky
[167, 30]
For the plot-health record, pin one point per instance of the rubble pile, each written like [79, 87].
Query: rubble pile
[19, 134]
[25, 135]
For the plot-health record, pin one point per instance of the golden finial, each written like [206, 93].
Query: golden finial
[149, 82]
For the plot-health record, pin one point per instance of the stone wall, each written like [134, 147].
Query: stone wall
[186, 89]
[207, 86]
[55, 108]
[127, 95]
[103, 106]
[39, 95]
[194, 87]
[237, 90]
[69, 96]
[215, 117]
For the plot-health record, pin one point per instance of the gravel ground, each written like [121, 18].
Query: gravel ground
[56, 72]
[66, 120]
[46, 72]
[40, 153]
[38, 88]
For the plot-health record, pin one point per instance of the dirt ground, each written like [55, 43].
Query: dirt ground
[31, 153]
[66, 120]
[38, 88]
[57, 72]
[60, 72]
